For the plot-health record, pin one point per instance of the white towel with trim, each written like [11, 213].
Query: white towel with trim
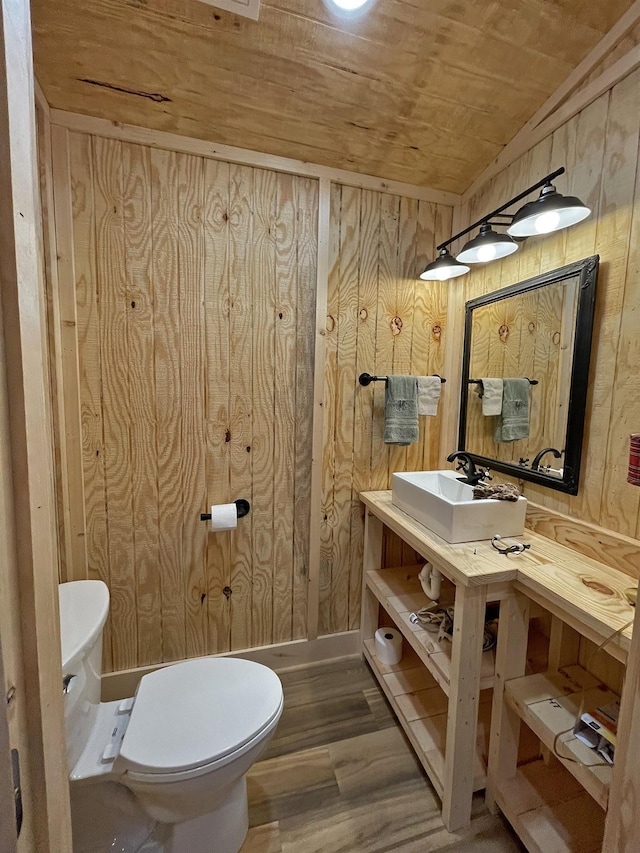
[492, 397]
[428, 394]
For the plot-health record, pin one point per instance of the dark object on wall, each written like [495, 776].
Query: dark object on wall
[242, 508]
[586, 272]
[366, 379]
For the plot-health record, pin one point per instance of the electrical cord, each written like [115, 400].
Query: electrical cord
[440, 621]
[554, 747]
[516, 548]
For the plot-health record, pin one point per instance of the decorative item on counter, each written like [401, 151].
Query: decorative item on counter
[633, 476]
[497, 491]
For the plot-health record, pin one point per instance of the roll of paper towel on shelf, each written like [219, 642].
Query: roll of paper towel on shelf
[224, 517]
[388, 644]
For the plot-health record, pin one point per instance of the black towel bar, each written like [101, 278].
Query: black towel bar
[479, 381]
[366, 379]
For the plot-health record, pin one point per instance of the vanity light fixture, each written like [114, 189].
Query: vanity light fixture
[489, 245]
[551, 211]
[443, 268]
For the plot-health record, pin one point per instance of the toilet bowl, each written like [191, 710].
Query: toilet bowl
[181, 746]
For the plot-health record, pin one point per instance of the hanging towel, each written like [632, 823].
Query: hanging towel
[491, 396]
[401, 410]
[428, 394]
[514, 421]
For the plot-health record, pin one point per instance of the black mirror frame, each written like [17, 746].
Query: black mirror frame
[587, 270]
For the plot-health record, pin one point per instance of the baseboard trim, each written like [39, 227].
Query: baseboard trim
[279, 657]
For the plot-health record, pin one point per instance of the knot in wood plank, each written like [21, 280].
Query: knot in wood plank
[597, 586]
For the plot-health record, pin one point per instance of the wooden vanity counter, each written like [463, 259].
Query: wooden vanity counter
[469, 563]
[585, 593]
[582, 592]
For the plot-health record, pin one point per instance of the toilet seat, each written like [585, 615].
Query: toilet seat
[192, 717]
[202, 769]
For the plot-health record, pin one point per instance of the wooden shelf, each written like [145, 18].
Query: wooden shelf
[421, 708]
[583, 592]
[550, 810]
[551, 805]
[400, 593]
[549, 704]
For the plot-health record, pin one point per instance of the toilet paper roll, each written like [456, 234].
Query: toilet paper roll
[224, 517]
[388, 644]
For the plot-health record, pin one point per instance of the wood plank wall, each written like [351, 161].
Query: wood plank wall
[47, 251]
[599, 147]
[194, 291]
[192, 316]
[169, 226]
[381, 320]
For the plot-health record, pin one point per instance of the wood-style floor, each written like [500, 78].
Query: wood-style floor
[339, 777]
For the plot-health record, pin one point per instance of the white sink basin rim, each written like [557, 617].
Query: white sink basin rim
[445, 505]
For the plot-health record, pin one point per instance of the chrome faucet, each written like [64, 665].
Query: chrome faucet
[536, 459]
[472, 476]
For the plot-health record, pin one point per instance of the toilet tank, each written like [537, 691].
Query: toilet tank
[84, 606]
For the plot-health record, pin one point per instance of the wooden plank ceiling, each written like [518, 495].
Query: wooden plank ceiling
[422, 91]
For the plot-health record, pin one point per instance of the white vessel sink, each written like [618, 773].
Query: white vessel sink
[439, 501]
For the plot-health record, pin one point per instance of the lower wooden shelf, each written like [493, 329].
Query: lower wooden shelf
[400, 594]
[550, 810]
[421, 707]
[549, 704]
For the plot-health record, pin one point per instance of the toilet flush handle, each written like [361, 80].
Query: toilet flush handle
[66, 683]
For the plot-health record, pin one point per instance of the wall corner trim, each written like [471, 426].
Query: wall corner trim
[189, 145]
[41, 100]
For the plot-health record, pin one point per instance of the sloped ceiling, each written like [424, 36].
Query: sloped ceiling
[422, 91]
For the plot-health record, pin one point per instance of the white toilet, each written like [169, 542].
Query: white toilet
[182, 745]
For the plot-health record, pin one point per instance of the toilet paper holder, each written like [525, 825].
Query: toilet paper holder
[242, 508]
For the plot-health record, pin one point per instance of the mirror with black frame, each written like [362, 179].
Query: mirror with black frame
[525, 373]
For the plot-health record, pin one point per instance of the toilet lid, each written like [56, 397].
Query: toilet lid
[196, 712]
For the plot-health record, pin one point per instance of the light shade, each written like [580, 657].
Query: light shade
[489, 245]
[552, 211]
[444, 267]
